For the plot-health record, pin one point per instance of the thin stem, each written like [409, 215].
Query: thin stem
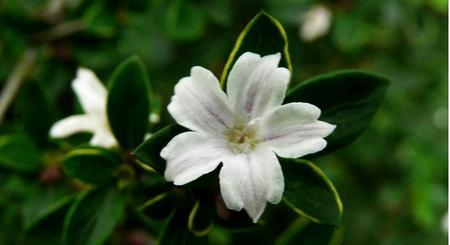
[15, 80]
[62, 30]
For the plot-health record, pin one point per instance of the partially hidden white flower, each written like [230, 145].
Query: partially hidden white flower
[315, 23]
[92, 96]
[243, 129]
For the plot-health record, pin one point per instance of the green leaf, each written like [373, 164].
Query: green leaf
[159, 206]
[185, 20]
[310, 193]
[348, 99]
[43, 204]
[201, 218]
[263, 35]
[307, 233]
[93, 217]
[148, 152]
[91, 165]
[18, 153]
[128, 102]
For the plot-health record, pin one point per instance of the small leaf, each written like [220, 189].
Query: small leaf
[348, 99]
[310, 193]
[307, 233]
[93, 217]
[201, 218]
[91, 165]
[263, 35]
[128, 102]
[148, 152]
[18, 153]
[44, 204]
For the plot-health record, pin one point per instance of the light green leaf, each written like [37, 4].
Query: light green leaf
[128, 102]
[91, 165]
[93, 217]
[263, 35]
[348, 99]
[310, 193]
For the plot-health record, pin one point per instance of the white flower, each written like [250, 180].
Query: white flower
[243, 129]
[315, 23]
[92, 95]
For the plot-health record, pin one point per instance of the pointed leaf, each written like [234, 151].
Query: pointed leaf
[348, 99]
[310, 193]
[263, 35]
[128, 102]
[93, 217]
[148, 152]
[91, 165]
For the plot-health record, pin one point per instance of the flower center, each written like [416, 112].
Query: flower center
[241, 138]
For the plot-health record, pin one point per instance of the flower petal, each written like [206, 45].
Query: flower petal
[249, 180]
[73, 124]
[103, 139]
[199, 103]
[293, 130]
[90, 91]
[190, 155]
[256, 84]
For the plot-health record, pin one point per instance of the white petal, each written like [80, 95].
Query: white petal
[199, 103]
[72, 125]
[190, 155]
[90, 91]
[293, 130]
[256, 84]
[249, 180]
[103, 138]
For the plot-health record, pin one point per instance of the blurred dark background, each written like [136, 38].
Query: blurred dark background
[392, 180]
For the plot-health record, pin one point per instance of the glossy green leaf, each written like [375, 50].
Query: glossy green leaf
[348, 99]
[91, 165]
[148, 152]
[44, 204]
[307, 233]
[128, 102]
[310, 193]
[18, 153]
[201, 218]
[93, 217]
[263, 35]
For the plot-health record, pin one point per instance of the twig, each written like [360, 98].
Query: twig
[62, 30]
[15, 80]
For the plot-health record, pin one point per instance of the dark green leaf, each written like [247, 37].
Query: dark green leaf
[201, 218]
[128, 102]
[263, 35]
[148, 152]
[93, 217]
[176, 231]
[307, 233]
[43, 204]
[310, 193]
[348, 99]
[91, 165]
[18, 153]
[159, 206]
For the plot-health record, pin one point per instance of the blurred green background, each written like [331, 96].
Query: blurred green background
[392, 180]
